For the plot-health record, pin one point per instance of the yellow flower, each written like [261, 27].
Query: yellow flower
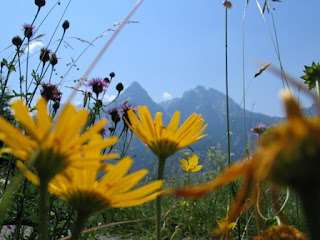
[191, 165]
[287, 155]
[53, 146]
[165, 141]
[87, 193]
[224, 226]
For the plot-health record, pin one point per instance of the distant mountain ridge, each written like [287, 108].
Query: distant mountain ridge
[208, 102]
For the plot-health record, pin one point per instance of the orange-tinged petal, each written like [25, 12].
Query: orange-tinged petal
[237, 170]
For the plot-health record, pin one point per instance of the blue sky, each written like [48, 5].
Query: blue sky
[178, 45]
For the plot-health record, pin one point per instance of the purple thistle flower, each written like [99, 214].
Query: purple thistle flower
[50, 92]
[29, 30]
[115, 115]
[125, 107]
[259, 129]
[98, 85]
[124, 110]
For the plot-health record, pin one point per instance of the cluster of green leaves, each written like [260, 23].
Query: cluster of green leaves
[312, 75]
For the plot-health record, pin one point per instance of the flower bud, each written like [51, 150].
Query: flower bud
[112, 74]
[17, 41]
[227, 4]
[40, 3]
[44, 55]
[53, 59]
[119, 87]
[65, 25]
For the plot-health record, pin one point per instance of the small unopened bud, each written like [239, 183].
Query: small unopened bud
[65, 25]
[53, 59]
[2, 64]
[40, 3]
[17, 41]
[112, 74]
[107, 80]
[119, 87]
[227, 4]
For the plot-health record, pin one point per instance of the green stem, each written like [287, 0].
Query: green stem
[297, 210]
[318, 89]
[21, 210]
[161, 167]
[27, 68]
[44, 210]
[65, 224]
[82, 217]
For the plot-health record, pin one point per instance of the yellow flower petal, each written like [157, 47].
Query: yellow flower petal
[165, 141]
[56, 144]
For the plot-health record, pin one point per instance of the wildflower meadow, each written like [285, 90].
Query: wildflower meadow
[66, 166]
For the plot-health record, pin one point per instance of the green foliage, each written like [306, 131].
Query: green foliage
[312, 75]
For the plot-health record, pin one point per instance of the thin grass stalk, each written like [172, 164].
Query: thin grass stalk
[244, 78]
[21, 210]
[227, 97]
[27, 67]
[227, 87]
[104, 48]
[8, 173]
[54, 32]
[4, 86]
[297, 210]
[275, 45]
[65, 224]
[43, 70]
[20, 74]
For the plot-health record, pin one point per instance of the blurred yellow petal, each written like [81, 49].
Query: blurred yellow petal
[85, 192]
[193, 161]
[22, 115]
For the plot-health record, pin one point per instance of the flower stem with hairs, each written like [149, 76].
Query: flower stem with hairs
[44, 209]
[161, 167]
[82, 217]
